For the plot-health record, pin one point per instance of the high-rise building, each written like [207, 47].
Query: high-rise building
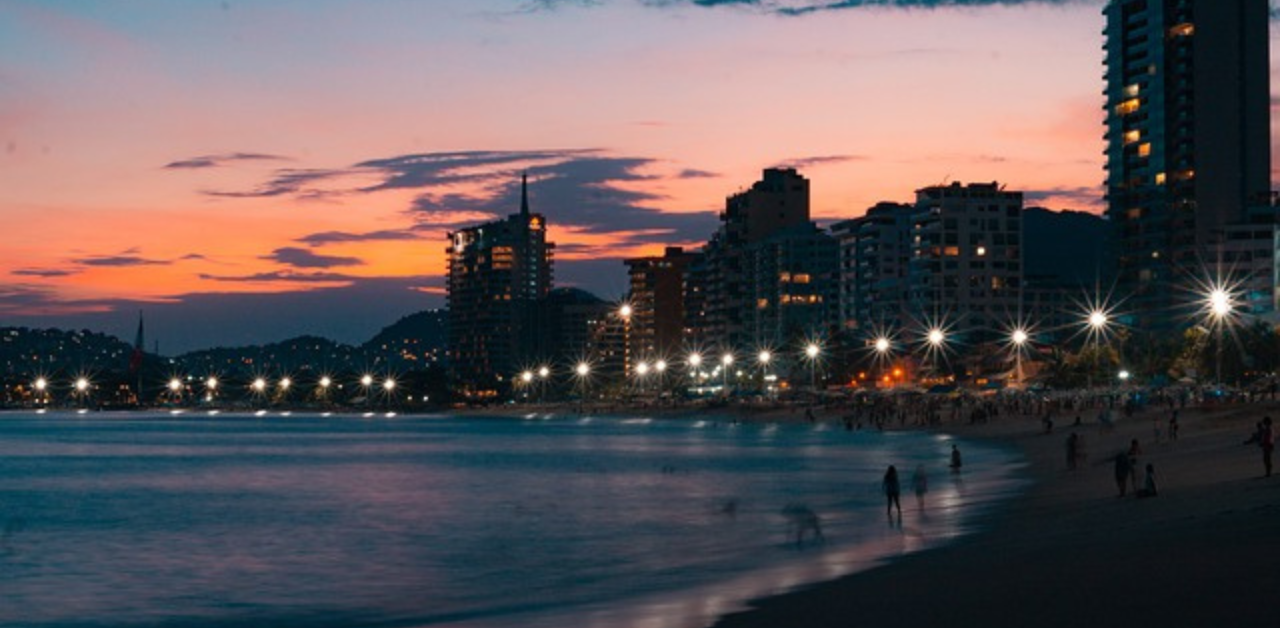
[657, 320]
[767, 273]
[966, 266]
[1188, 142]
[499, 277]
[875, 249]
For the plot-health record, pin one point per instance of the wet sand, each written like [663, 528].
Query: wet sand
[1205, 552]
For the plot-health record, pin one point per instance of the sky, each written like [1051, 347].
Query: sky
[246, 172]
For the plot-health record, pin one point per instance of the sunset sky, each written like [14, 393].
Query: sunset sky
[245, 172]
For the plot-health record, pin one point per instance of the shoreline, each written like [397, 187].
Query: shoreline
[1070, 552]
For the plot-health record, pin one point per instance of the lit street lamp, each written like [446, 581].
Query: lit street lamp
[1018, 339]
[811, 352]
[726, 361]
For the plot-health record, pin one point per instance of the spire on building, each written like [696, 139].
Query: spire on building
[135, 359]
[524, 194]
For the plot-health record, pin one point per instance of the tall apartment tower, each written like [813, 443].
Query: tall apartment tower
[1188, 143]
[779, 200]
[499, 278]
[875, 249]
[767, 275]
[966, 264]
[657, 304]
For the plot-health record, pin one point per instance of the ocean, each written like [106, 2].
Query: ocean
[153, 519]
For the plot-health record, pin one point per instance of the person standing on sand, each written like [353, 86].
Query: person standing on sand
[1073, 450]
[1123, 469]
[955, 459]
[1135, 450]
[920, 481]
[1267, 441]
[892, 490]
[1149, 484]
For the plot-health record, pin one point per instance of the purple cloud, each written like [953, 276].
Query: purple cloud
[338, 237]
[213, 161]
[120, 261]
[44, 272]
[304, 258]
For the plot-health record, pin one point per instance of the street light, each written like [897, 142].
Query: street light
[1220, 308]
[366, 383]
[726, 361]
[543, 373]
[81, 386]
[811, 352]
[1018, 339]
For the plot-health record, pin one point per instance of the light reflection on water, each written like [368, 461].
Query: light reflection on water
[139, 520]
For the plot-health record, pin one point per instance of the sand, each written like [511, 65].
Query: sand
[1205, 552]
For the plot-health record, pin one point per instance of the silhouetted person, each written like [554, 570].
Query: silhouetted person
[1149, 483]
[920, 482]
[1173, 426]
[1123, 469]
[1073, 450]
[955, 459]
[1135, 450]
[892, 491]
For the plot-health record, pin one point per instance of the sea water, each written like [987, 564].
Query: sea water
[346, 521]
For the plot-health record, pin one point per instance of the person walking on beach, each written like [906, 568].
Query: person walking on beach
[892, 490]
[955, 459]
[1267, 441]
[1073, 450]
[920, 482]
[1149, 483]
[1135, 450]
[1123, 469]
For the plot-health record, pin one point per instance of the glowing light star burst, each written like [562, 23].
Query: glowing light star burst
[1220, 303]
[1098, 318]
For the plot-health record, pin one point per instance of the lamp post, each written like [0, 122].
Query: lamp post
[936, 341]
[764, 358]
[695, 363]
[725, 362]
[211, 388]
[581, 372]
[325, 383]
[881, 346]
[1097, 322]
[1018, 338]
[811, 353]
[175, 390]
[1220, 306]
[544, 372]
[366, 384]
[82, 390]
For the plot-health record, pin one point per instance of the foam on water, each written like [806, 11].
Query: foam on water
[240, 520]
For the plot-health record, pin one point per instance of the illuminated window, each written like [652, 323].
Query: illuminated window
[1160, 178]
[1127, 107]
[1185, 29]
[1144, 149]
[1132, 90]
[952, 251]
[785, 278]
[1132, 136]
[982, 251]
[762, 304]
[800, 278]
[1134, 214]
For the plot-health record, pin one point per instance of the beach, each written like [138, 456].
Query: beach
[1070, 552]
